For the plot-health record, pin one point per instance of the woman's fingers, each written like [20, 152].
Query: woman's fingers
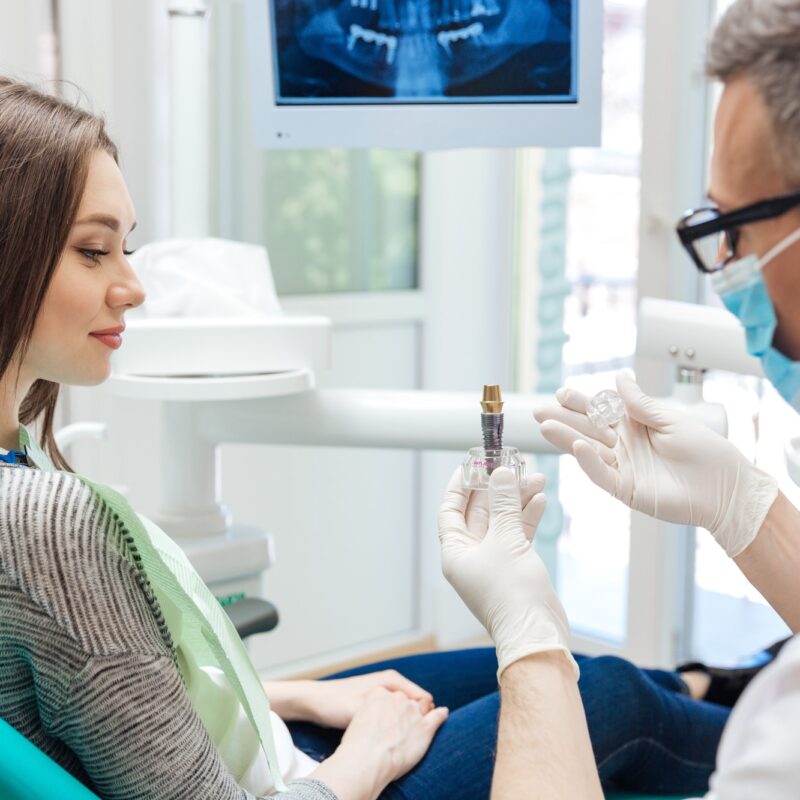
[435, 718]
[395, 681]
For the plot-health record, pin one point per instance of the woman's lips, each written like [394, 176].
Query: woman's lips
[112, 340]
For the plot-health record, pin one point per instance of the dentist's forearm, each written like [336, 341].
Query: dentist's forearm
[772, 561]
[543, 746]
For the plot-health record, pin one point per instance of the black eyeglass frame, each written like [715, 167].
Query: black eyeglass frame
[729, 223]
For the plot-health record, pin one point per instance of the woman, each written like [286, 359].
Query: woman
[95, 668]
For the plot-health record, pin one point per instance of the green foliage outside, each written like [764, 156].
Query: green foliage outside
[341, 221]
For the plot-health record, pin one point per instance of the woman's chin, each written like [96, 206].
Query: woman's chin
[90, 377]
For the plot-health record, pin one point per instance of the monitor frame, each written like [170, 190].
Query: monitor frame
[427, 126]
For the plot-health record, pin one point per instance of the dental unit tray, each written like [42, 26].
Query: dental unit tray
[210, 358]
[208, 346]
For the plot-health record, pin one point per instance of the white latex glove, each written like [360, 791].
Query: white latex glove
[488, 559]
[664, 463]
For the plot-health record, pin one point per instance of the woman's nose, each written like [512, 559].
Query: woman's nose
[128, 291]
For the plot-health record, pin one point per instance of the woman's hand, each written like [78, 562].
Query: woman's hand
[388, 735]
[334, 703]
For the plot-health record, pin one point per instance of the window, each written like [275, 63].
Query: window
[599, 227]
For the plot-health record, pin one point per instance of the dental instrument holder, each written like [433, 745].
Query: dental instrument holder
[694, 339]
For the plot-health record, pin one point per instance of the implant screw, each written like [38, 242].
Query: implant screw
[492, 418]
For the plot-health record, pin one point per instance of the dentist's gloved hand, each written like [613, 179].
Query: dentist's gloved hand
[664, 463]
[488, 558]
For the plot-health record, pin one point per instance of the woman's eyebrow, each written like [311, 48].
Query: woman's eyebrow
[103, 219]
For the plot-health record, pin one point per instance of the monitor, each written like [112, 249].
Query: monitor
[425, 74]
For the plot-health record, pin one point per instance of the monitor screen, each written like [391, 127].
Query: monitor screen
[357, 52]
[425, 74]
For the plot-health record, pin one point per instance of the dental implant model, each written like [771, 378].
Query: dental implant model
[482, 461]
[605, 408]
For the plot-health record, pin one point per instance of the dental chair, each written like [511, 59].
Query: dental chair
[26, 773]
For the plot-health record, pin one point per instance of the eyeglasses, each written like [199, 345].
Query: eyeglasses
[711, 237]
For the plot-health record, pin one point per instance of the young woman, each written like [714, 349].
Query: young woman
[94, 668]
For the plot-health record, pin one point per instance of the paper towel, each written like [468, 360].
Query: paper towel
[204, 278]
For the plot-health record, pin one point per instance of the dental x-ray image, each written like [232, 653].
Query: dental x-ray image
[424, 51]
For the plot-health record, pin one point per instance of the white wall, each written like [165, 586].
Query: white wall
[117, 52]
[26, 42]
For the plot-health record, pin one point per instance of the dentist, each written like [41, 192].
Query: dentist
[662, 463]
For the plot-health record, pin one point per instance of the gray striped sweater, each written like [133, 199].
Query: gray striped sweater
[85, 673]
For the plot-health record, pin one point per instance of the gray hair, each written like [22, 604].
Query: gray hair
[760, 39]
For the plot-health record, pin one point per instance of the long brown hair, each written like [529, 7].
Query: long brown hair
[45, 147]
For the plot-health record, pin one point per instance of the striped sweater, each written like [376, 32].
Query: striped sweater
[85, 673]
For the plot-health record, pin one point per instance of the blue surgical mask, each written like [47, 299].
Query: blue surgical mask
[741, 287]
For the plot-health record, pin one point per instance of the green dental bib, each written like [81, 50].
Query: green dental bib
[191, 614]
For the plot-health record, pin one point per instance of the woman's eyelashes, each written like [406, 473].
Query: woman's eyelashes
[94, 254]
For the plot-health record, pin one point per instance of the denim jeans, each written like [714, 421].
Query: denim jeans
[647, 734]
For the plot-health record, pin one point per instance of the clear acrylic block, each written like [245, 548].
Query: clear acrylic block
[605, 408]
[480, 463]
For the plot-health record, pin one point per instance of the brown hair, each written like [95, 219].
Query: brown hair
[760, 39]
[45, 147]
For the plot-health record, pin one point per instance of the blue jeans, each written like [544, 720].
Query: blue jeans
[647, 734]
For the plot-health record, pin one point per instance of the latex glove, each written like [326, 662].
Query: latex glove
[665, 464]
[488, 559]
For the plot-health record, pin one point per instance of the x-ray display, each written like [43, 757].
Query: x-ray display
[424, 51]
